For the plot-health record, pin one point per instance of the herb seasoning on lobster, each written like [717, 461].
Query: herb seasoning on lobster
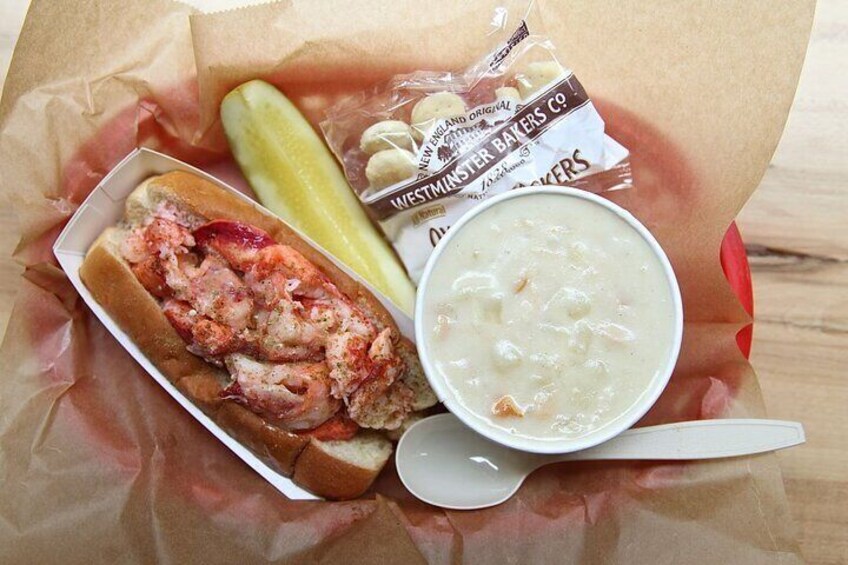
[299, 361]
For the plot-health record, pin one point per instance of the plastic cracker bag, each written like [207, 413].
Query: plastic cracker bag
[424, 148]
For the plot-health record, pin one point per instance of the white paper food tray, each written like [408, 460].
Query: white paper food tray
[104, 207]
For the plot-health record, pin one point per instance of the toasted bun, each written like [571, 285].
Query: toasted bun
[342, 469]
[411, 418]
[334, 469]
[415, 378]
[268, 442]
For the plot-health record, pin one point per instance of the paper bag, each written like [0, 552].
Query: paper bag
[99, 464]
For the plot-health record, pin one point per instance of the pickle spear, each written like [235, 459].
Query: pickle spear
[295, 176]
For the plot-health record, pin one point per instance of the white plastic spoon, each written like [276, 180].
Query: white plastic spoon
[443, 462]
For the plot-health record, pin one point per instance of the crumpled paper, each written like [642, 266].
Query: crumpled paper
[98, 464]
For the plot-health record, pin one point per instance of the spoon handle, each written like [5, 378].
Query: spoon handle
[703, 439]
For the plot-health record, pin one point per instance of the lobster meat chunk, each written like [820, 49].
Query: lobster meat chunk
[294, 395]
[236, 242]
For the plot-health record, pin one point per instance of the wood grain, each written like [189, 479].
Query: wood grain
[797, 238]
[795, 227]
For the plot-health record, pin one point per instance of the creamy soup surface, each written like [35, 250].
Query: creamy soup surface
[548, 316]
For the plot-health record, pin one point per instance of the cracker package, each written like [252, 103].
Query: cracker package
[423, 148]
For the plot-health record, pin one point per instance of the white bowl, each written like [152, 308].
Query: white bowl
[499, 435]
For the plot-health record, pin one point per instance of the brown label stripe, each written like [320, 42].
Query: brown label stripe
[527, 124]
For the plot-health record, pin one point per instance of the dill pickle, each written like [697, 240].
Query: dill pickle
[295, 176]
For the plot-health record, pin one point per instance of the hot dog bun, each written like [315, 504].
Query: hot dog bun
[334, 469]
[342, 469]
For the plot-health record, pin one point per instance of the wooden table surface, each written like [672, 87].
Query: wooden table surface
[796, 230]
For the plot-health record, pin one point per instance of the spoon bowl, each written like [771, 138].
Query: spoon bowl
[444, 463]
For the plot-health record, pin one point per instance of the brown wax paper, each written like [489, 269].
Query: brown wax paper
[98, 464]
